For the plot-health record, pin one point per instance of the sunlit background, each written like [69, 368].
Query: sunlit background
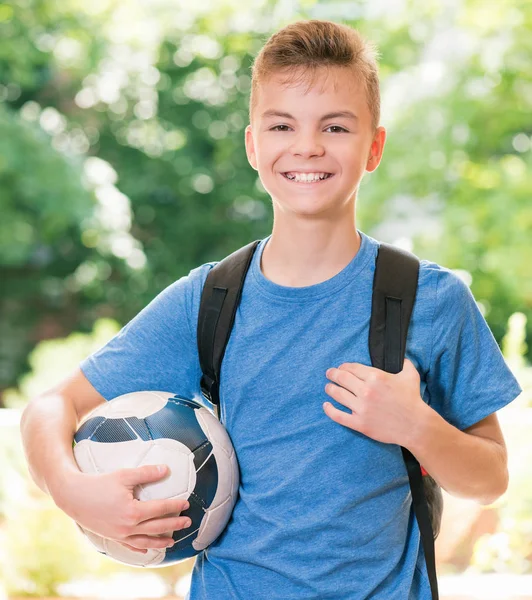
[122, 167]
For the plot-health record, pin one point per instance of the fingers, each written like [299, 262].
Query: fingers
[340, 416]
[148, 524]
[342, 396]
[144, 474]
[143, 551]
[158, 526]
[152, 509]
[347, 380]
[357, 369]
[154, 533]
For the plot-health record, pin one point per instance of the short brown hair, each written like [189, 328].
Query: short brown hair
[314, 44]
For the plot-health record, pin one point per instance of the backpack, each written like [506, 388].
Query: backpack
[394, 291]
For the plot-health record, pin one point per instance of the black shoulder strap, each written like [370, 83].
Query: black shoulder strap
[219, 301]
[394, 292]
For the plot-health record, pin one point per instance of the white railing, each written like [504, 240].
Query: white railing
[10, 417]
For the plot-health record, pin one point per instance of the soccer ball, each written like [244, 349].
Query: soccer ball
[151, 428]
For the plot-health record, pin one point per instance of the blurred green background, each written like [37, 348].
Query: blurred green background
[123, 166]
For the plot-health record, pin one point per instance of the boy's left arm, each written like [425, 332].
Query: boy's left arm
[469, 464]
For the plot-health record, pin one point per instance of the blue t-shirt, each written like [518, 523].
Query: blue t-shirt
[324, 512]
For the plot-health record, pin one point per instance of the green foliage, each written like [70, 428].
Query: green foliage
[509, 550]
[45, 204]
[14, 469]
[457, 158]
[32, 208]
[514, 346]
[166, 112]
[52, 360]
[41, 549]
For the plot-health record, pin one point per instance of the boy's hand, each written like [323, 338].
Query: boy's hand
[387, 407]
[105, 504]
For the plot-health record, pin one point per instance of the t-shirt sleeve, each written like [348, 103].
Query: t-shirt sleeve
[157, 349]
[468, 378]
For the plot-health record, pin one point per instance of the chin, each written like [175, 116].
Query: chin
[304, 208]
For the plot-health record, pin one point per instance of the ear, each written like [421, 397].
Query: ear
[250, 147]
[376, 149]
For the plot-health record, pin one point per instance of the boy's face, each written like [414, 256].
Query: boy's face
[278, 144]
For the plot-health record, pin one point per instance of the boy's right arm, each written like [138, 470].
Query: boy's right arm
[102, 503]
[48, 425]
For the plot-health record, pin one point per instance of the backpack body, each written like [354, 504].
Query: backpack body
[394, 291]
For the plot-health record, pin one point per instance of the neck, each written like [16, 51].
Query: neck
[300, 255]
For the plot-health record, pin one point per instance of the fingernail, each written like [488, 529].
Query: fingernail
[187, 505]
[188, 523]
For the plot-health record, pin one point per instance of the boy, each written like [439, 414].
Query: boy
[324, 507]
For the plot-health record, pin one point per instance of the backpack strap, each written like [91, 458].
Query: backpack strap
[219, 301]
[394, 292]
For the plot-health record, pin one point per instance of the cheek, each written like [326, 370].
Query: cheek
[270, 156]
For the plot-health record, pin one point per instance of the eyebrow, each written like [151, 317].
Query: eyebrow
[342, 113]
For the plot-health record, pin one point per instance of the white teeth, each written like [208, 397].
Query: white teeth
[306, 177]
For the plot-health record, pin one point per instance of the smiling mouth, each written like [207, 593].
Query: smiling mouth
[313, 182]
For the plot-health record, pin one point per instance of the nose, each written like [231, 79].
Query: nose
[306, 145]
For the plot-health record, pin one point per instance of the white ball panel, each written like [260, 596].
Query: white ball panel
[214, 430]
[94, 539]
[213, 524]
[109, 457]
[228, 473]
[236, 476]
[181, 479]
[122, 554]
[136, 404]
[83, 456]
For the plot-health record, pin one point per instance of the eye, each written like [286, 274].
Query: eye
[276, 128]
